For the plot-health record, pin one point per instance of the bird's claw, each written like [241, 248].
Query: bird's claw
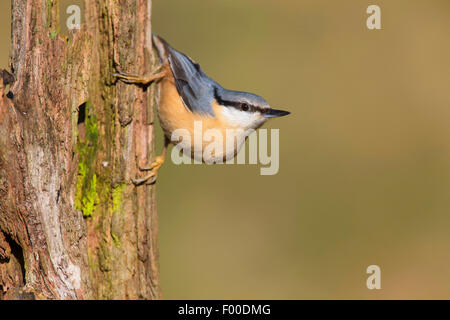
[154, 168]
[155, 164]
[148, 180]
[130, 78]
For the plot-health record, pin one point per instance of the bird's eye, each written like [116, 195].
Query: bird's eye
[245, 107]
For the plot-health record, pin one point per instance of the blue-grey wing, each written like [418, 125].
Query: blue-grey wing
[193, 85]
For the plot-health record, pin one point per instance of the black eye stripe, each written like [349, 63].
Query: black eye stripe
[224, 102]
[243, 106]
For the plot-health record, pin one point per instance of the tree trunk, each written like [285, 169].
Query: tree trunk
[72, 224]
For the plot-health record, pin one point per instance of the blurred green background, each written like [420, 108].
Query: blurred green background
[364, 158]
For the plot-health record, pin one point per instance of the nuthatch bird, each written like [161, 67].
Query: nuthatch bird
[188, 95]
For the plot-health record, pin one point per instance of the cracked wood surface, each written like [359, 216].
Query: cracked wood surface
[72, 225]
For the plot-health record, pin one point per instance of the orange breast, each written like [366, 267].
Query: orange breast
[174, 115]
[172, 112]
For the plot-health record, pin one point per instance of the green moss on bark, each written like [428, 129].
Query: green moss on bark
[53, 34]
[87, 196]
[117, 197]
[116, 240]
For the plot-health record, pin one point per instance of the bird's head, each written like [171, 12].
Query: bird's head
[245, 110]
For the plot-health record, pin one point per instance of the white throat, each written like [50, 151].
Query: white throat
[243, 119]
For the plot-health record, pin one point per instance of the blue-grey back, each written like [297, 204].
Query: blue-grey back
[196, 89]
[193, 85]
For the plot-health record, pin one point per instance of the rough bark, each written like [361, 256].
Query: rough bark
[72, 225]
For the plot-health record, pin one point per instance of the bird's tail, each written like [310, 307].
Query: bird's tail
[161, 46]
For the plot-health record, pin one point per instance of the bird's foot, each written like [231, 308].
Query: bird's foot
[157, 74]
[152, 176]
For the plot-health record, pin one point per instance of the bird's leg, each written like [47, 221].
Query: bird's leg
[153, 168]
[158, 73]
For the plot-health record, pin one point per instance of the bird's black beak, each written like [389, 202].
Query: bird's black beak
[273, 113]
